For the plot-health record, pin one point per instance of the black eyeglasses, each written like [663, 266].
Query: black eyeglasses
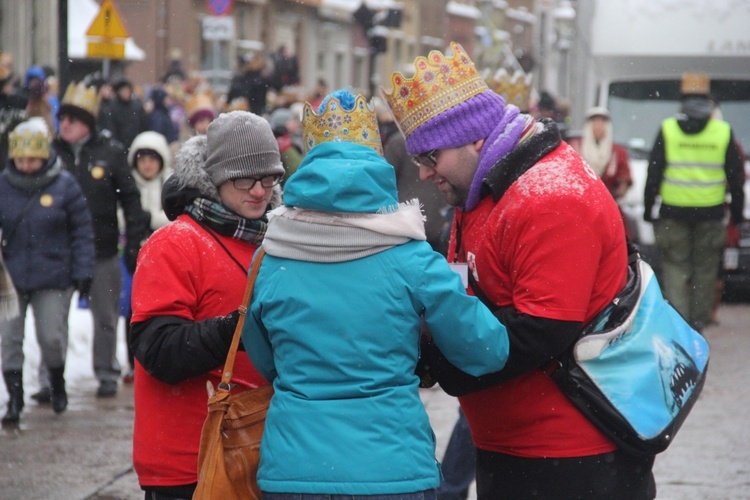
[428, 159]
[249, 182]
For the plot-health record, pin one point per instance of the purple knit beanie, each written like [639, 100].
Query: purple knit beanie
[462, 124]
[446, 104]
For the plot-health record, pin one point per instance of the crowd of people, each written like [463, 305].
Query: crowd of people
[410, 240]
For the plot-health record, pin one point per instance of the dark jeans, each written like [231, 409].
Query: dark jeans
[169, 492]
[611, 476]
[420, 495]
[459, 462]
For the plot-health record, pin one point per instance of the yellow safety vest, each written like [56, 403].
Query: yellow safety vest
[695, 175]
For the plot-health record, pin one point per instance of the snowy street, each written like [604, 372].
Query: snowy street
[85, 453]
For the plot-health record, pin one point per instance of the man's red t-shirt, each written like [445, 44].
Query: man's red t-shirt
[552, 247]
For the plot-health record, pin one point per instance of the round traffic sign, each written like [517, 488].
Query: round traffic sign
[219, 7]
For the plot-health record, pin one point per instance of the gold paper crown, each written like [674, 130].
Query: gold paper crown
[336, 124]
[30, 139]
[439, 84]
[81, 96]
[695, 83]
[514, 89]
[198, 102]
[6, 66]
[238, 104]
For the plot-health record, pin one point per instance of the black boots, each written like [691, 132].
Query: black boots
[44, 396]
[57, 385]
[14, 383]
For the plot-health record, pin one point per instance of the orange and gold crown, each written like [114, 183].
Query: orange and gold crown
[439, 83]
[81, 96]
[200, 101]
[336, 124]
[237, 104]
[695, 83]
[514, 89]
[30, 139]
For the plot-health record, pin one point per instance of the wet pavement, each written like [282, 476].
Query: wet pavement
[85, 453]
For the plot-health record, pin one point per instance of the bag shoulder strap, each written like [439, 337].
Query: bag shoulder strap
[226, 375]
[7, 236]
[631, 287]
[222, 245]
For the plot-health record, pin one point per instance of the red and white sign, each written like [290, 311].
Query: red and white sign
[219, 7]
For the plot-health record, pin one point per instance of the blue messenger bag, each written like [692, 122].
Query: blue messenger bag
[637, 368]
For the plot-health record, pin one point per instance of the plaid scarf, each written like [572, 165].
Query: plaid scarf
[227, 223]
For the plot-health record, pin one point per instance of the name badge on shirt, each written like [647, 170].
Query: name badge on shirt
[462, 268]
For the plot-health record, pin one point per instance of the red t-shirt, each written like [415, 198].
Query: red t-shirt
[183, 272]
[552, 247]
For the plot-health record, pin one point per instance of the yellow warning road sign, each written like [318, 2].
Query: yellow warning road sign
[107, 23]
[105, 50]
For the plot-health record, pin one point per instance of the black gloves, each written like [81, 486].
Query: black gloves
[226, 324]
[84, 288]
[424, 364]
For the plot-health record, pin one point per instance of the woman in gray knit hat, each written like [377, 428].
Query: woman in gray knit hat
[189, 282]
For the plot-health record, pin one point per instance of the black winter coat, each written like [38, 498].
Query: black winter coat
[124, 119]
[103, 173]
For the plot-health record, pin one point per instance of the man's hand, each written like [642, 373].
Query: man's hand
[84, 288]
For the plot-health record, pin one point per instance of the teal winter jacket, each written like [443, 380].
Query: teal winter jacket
[338, 336]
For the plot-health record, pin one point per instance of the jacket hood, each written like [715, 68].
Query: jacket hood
[158, 96]
[190, 167]
[343, 177]
[33, 72]
[154, 141]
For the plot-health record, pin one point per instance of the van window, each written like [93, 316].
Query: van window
[638, 108]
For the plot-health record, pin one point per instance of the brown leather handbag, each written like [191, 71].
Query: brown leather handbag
[230, 441]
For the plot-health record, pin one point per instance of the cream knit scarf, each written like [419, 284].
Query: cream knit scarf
[597, 154]
[315, 236]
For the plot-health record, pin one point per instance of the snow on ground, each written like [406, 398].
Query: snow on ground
[78, 367]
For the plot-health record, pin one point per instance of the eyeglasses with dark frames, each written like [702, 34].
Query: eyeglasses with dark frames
[249, 182]
[428, 159]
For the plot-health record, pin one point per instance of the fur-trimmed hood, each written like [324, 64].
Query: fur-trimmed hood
[190, 179]
[190, 167]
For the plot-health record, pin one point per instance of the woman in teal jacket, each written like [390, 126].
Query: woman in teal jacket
[334, 322]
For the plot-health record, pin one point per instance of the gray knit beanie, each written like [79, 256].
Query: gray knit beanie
[241, 145]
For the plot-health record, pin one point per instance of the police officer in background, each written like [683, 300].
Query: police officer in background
[694, 161]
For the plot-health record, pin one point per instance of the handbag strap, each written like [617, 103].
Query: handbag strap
[8, 235]
[226, 375]
[222, 245]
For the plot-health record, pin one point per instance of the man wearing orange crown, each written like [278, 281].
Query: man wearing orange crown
[540, 237]
[334, 323]
[99, 164]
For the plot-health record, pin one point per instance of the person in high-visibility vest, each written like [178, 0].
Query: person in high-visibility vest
[693, 164]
